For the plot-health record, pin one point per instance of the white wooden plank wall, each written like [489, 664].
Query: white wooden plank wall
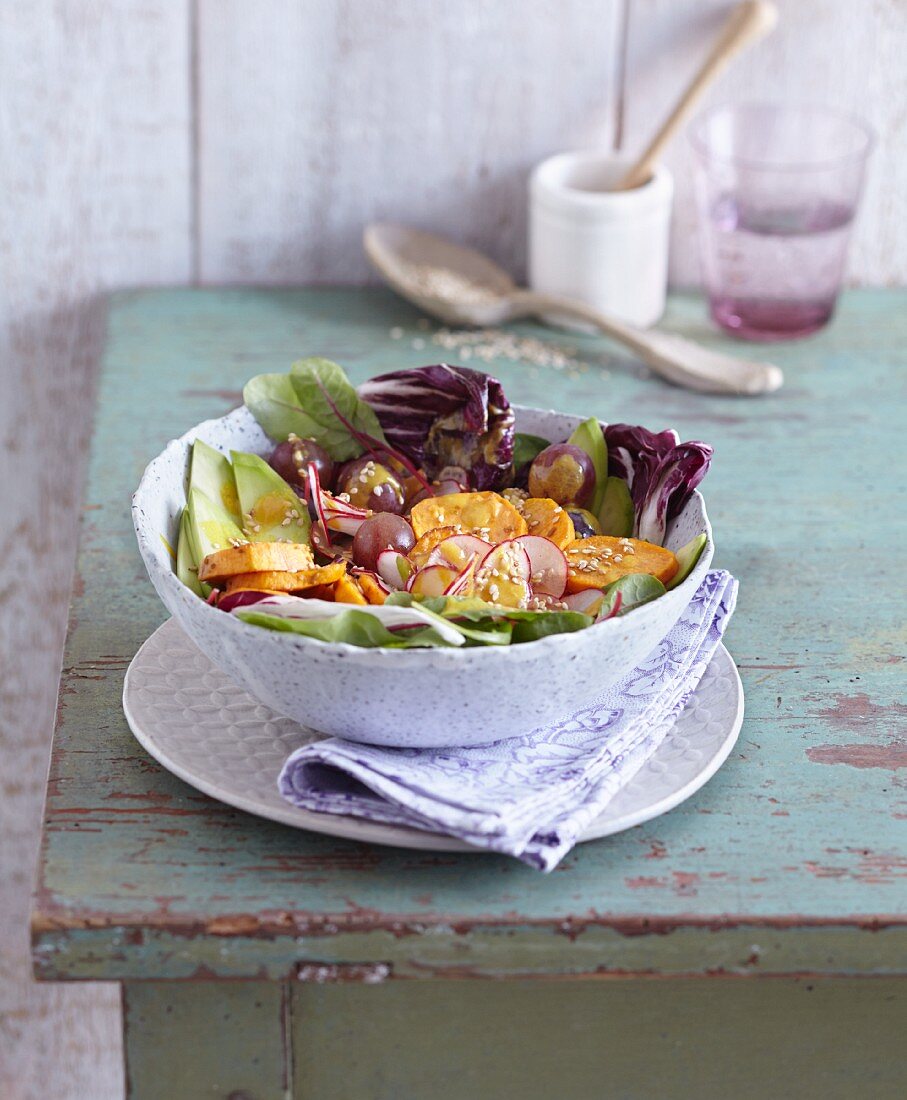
[94, 158]
[156, 141]
[317, 117]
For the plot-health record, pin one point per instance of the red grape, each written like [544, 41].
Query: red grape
[293, 458]
[563, 473]
[370, 485]
[584, 523]
[383, 531]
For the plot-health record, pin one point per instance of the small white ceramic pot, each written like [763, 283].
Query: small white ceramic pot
[606, 248]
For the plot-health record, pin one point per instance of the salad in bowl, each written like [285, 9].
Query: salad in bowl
[345, 554]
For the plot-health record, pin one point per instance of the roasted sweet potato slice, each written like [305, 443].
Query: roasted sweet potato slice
[255, 557]
[427, 542]
[547, 518]
[287, 580]
[487, 515]
[346, 590]
[371, 589]
[600, 560]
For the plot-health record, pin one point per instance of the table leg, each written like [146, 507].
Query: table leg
[193, 1040]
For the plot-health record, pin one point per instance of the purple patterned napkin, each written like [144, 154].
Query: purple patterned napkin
[530, 797]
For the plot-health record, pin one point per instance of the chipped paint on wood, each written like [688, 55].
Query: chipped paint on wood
[143, 877]
[891, 756]
[858, 712]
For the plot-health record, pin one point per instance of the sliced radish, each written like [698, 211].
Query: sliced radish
[503, 575]
[462, 584]
[320, 540]
[588, 601]
[393, 568]
[615, 609]
[458, 551]
[431, 580]
[334, 514]
[314, 494]
[340, 516]
[549, 565]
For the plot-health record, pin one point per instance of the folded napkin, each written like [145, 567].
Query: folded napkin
[532, 796]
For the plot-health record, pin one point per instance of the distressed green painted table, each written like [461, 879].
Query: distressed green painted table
[748, 944]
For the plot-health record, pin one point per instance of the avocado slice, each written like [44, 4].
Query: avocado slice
[211, 473]
[186, 565]
[271, 510]
[209, 526]
[590, 438]
[617, 514]
[687, 556]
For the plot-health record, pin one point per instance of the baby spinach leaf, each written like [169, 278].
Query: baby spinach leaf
[353, 627]
[486, 629]
[332, 404]
[314, 401]
[524, 626]
[528, 626]
[271, 399]
[634, 590]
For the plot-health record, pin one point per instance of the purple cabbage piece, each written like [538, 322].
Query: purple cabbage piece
[445, 415]
[243, 598]
[661, 472]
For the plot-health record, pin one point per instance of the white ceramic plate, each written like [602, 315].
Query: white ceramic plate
[205, 729]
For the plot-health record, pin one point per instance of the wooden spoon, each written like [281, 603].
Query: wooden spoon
[462, 287]
[748, 22]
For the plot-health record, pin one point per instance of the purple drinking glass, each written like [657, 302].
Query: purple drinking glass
[777, 190]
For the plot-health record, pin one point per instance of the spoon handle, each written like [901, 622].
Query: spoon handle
[675, 358]
[747, 23]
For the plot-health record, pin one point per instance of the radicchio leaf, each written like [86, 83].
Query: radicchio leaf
[245, 597]
[445, 415]
[661, 472]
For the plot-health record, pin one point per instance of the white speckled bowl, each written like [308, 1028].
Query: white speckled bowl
[417, 698]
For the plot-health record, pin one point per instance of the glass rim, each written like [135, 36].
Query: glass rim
[704, 150]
